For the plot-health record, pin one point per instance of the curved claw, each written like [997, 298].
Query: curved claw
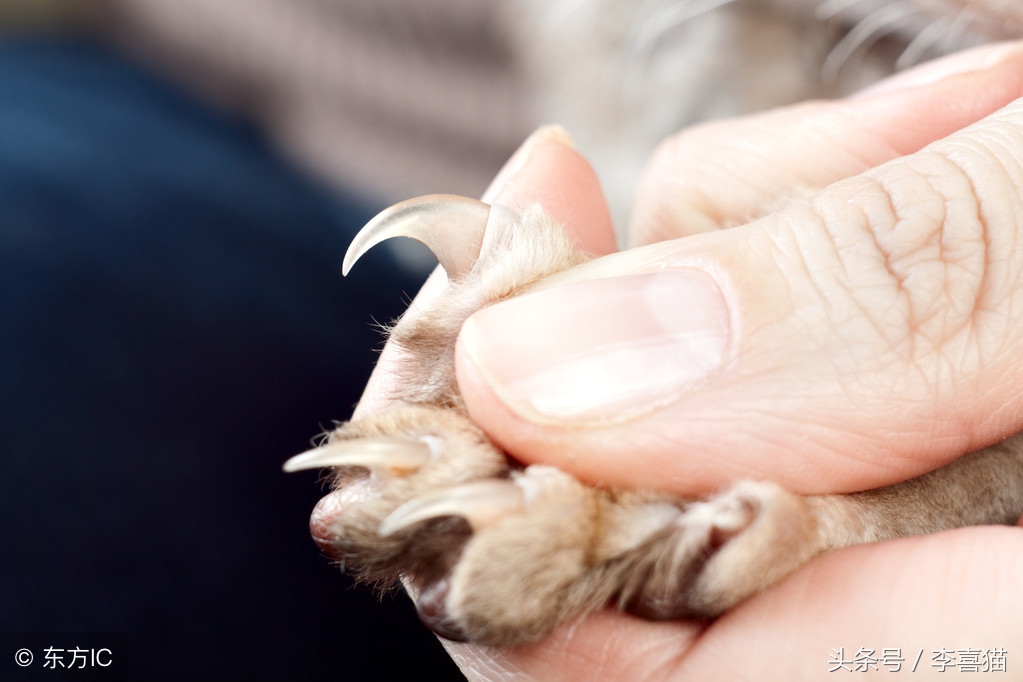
[452, 227]
[379, 454]
[481, 504]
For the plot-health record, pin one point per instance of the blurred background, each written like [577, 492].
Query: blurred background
[178, 182]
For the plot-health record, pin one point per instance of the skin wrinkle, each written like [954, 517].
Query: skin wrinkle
[1001, 170]
[602, 662]
[1002, 414]
[903, 277]
[990, 322]
[819, 439]
[883, 391]
[924, 375]
[645, 660]
[709, 642]
[493, 666]
[786, 240]
[580, 657]
[823, 278]
[655, 659]
[866, 225]
[915, 351]
[976, 229]
[756, 412]
[966, 333]
[912, 354]
[1000, 259]
[861, 456]
[905, 267]
[765, 250]
[660, 649]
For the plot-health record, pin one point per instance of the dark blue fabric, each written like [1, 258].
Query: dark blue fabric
[173, 325]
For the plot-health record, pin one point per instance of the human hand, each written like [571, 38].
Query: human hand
[872, 334]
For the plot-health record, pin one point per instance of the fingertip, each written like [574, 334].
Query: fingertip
[547, 170]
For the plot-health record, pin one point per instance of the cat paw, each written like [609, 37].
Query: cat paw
[494, 551]
[721, 551]
[502, 554]
[404, 455]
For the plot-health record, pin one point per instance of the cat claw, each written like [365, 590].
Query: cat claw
[456, 229]
[481, 504]
[452, 227]
[383, 455]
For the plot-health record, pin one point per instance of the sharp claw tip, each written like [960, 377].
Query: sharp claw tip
[297, 463]
[384, 455]
[349, 261]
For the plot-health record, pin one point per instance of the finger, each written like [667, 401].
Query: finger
[548, 171]
[607, 645]
[848, 342]
[545, 170]
[727, 173]
[957, 590]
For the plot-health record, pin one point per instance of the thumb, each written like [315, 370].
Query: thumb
[862, 337]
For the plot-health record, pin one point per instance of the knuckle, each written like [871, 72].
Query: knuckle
[679, 191]
[928, 252]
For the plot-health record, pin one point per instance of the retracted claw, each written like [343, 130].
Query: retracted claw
[389, 455]
[481, 504]
[452, 227]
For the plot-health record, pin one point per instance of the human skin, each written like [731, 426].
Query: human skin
[853, 414]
